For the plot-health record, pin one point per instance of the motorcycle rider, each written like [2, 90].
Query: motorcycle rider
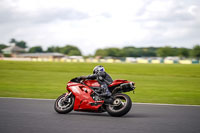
[103, 79]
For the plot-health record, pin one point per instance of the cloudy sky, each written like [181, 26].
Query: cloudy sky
[93, 24]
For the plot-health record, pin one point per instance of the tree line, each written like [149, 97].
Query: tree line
[67, 49]
[129, 51]
[150, 52]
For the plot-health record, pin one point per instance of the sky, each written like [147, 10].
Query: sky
[94, 24]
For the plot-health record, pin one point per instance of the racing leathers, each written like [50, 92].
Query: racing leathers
[103, 79]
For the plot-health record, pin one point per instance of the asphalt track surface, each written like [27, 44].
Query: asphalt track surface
[38, 116]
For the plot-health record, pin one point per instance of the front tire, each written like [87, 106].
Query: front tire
[64, 107]
[121, 105]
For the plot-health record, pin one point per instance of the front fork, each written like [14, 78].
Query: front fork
[67, 95]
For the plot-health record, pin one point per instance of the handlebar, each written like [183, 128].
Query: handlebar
[78, 80]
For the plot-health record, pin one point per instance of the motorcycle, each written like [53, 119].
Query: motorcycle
[84, 95]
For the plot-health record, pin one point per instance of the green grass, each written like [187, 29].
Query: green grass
[156, 83]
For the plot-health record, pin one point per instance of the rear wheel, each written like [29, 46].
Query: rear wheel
[121, 105]
[63, 106]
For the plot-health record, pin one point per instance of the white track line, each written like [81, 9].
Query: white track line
[163, 104]
[26, 98]
[133, 103]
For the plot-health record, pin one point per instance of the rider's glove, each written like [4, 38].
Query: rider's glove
[82, 77]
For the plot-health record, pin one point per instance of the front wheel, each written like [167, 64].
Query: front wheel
[121, 105]
[63, 106]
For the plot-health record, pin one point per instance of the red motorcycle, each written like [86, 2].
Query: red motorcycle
[83, 95]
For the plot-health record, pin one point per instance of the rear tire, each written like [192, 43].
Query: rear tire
[121, 105]
[63, 107]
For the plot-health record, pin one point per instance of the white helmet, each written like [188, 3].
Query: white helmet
[98, 69]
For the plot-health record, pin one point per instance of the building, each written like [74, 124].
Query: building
[41, 55]
[13, 50]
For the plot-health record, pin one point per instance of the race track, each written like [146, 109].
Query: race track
[38, 116]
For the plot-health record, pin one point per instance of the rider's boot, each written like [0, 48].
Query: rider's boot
[106, 94]
[109, 100]
[108, 97]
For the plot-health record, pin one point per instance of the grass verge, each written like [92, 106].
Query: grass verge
[156, 83]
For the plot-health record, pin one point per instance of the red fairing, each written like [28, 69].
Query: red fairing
[83, 99]
[118, 81]
[93, 83]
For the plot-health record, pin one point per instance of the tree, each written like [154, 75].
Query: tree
[166, 51]
[101, 52]
[148, 52]
[36, 49]
[196, 51]
[74, 52]
[114, 52]
[129, 51]
[21, 44]
[70, 50]
[2, 46]
[183, 52]
[53, 49]
[50, 49]
[13, 41]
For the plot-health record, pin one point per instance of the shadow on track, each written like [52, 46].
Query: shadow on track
[139, 115]
[129, 115]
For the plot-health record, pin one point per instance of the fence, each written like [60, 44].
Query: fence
[92, 60]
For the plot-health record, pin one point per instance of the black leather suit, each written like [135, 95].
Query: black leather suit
[104, 80]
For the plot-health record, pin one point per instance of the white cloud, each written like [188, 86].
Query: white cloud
[92, 24]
